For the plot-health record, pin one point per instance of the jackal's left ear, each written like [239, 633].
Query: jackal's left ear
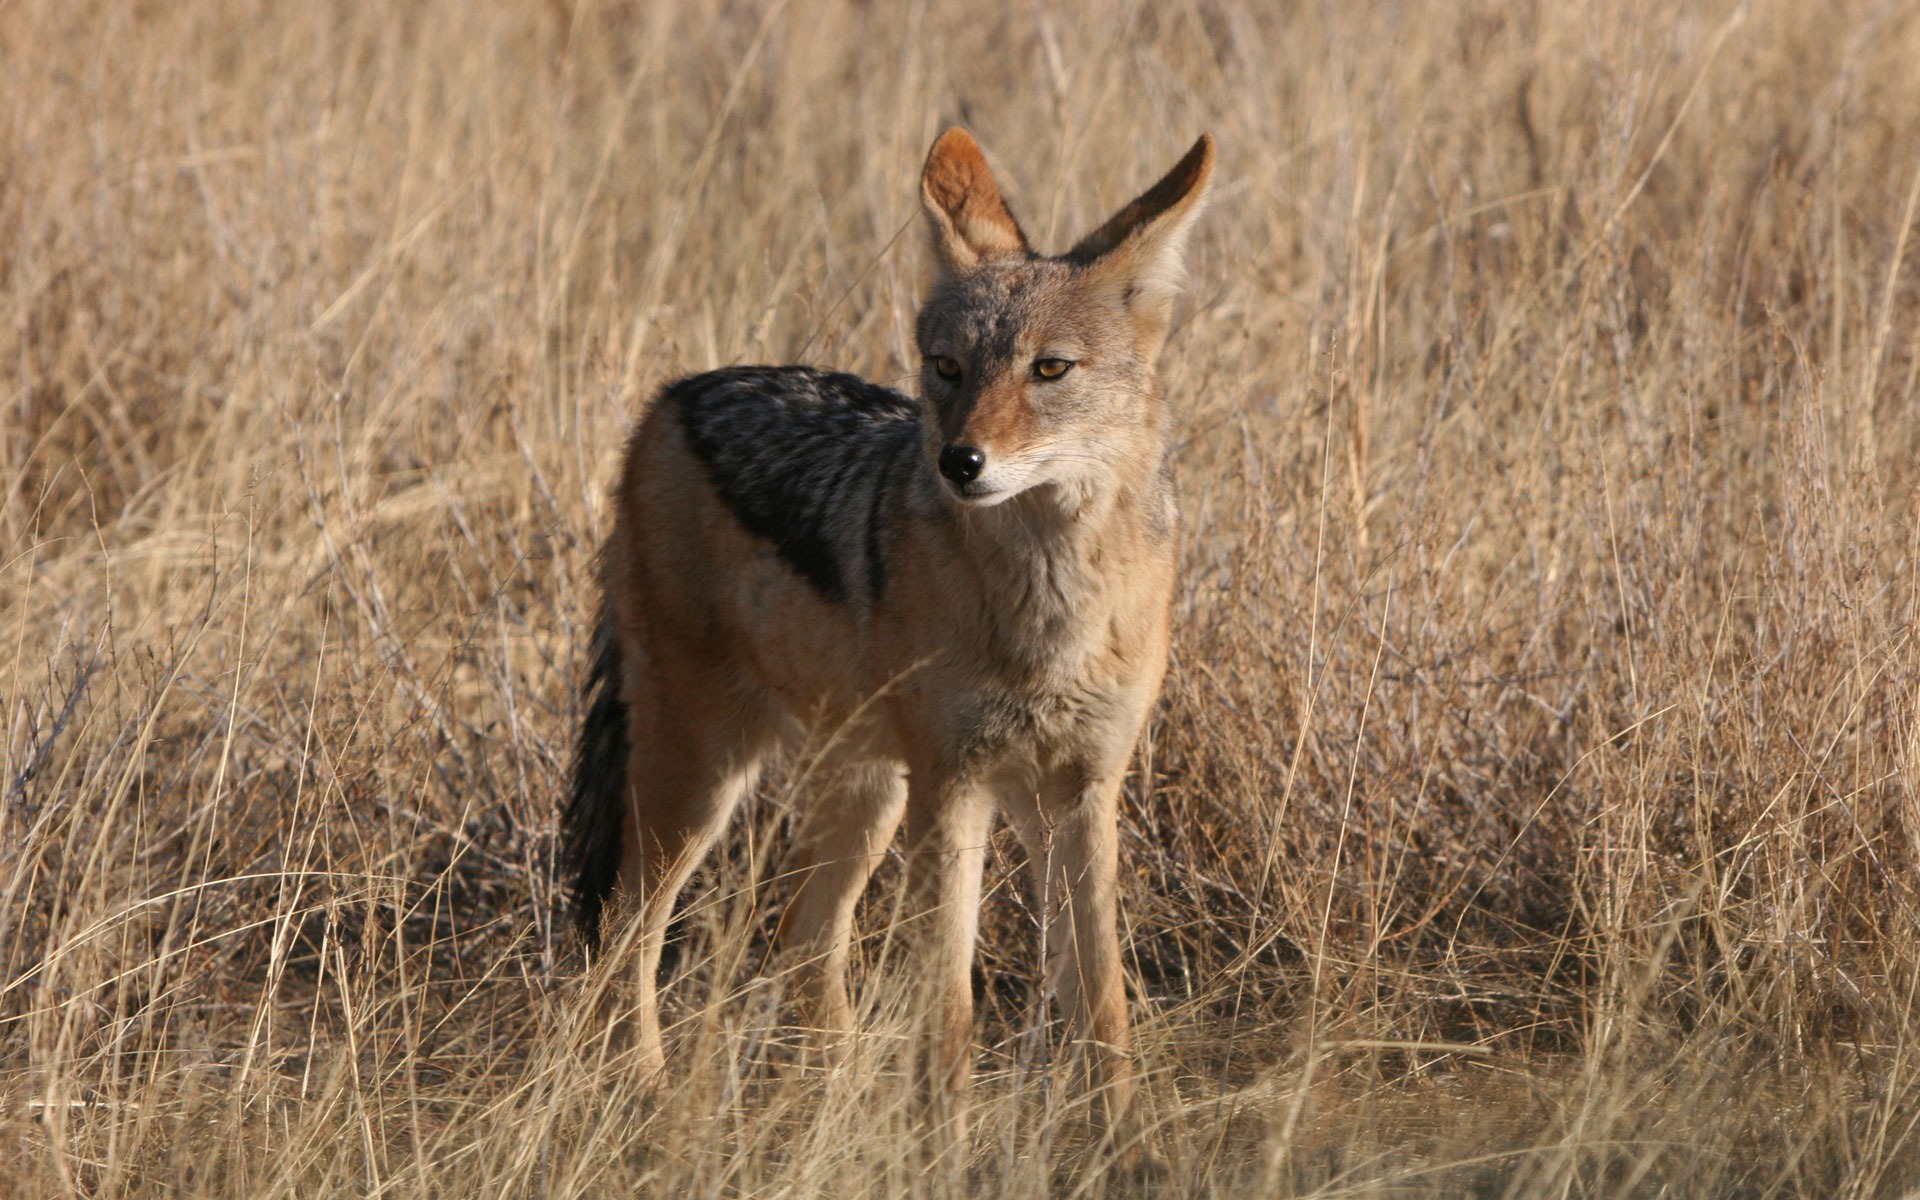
[969, 218]
[1143, 246]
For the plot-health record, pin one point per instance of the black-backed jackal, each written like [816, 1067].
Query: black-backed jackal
[964, 597]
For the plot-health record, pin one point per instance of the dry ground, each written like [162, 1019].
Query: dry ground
[1532, 810]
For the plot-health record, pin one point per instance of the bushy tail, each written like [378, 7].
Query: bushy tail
[596, 811]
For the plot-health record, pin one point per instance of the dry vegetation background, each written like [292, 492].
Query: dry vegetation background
[1532, 810]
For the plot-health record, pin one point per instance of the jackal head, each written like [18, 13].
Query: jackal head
[1037, 369]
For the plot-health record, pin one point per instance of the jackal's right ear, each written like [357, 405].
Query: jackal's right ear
[970, 220]
[1142, 246]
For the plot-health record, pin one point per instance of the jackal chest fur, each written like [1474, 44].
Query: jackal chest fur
[1032, 631]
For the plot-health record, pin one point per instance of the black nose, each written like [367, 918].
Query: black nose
[962, 464]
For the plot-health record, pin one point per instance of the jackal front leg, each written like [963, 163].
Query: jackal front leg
[1071, 837]
[947, 825]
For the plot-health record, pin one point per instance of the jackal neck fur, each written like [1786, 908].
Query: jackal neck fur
[1047, 564]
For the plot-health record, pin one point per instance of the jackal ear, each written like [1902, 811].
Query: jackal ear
[969, 218]
[1143, 245]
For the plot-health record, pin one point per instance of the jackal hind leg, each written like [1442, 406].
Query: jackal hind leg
[693, 756]
[851, 812]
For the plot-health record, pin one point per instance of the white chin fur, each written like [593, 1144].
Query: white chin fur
[995, 487]
[980, 499]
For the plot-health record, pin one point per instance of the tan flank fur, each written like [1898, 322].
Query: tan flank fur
[963, 597]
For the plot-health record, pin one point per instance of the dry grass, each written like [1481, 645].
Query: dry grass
[1532, 810]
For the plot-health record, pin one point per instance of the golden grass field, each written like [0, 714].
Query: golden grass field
[1532, 810]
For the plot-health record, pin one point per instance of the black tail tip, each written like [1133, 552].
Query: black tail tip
[594, 814]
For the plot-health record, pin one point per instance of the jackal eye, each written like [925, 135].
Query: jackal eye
[946, 368]
[1051, 368]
